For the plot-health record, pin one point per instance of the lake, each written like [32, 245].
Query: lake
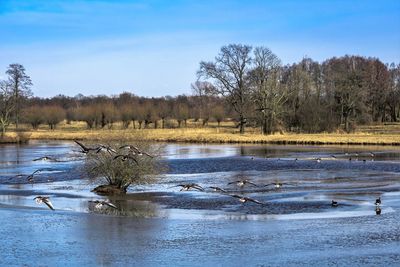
[160, 225]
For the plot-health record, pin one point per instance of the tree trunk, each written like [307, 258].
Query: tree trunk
[242, 124]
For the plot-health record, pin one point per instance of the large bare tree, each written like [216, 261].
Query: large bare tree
[268, 94]
[229, 74]
[20, 84]
[6, 106]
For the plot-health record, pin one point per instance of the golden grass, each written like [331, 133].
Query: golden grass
[366, 135]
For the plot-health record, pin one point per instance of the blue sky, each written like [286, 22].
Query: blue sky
[153, 48]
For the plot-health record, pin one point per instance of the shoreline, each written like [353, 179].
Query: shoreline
[206, 135]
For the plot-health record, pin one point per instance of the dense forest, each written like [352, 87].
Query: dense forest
[249, 86]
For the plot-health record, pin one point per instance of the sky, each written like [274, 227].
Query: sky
[153, 48]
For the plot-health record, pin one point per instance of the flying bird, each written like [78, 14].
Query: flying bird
[126, 157]
[136, 151]
[218, 189]
[85, 149]
[242, 183]
[45, 158]
[108, 149]
[45, 200]
[244, 199]
[187, 187]
[31, 176]
[278, 184]
[101, 203]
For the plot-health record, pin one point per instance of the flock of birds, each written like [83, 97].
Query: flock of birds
[133, 151]
[244, 199]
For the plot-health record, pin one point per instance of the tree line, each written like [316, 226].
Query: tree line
[249, 86]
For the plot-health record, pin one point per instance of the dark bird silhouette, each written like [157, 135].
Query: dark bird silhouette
[45, 158]
[333, 156]
[334, 204]
[378, 201]
[101, 203]
[108, 149]
[242, 183]
[126, 157]
[244, 199]
[218, 189]
[45, 200]
[378, 210]
[278, 184]
[136, 151]
[84, 148]
[30, 177]
[187, 187]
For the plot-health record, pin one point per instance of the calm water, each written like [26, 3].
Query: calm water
[159, 225]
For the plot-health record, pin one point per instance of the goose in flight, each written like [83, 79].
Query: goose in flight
[45, 200]
[86, 149]
[30, 177]
[108, 149]
[101, 203]
[278, 184]
[244, 199]
[45, 158]
[218, 189]
[126, 157]
[136, 151]
[187, 187]
[242, 183]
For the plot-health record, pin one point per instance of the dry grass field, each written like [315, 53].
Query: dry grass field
[382, 134]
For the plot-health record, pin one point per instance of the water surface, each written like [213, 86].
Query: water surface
[159, 225]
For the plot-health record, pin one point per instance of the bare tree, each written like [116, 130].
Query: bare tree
[6, 106]
[268, 94]
[229, 76]
[20, 84]
[202, 90]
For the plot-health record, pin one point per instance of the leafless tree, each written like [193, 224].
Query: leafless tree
[20, 84]
[268, 94]
[6, 106]
[229, 76]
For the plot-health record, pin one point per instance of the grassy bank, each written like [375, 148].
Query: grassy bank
[367, 135]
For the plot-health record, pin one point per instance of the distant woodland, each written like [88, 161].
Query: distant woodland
[247, 85]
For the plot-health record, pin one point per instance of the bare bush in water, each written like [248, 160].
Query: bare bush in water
[121, 165]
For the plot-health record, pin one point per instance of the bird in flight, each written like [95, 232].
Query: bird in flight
[45, 200]
[278, 184]
[101, 203]
[105, 148]
[86, 149]
[126, 157]
[218, 189]
[244, 199]
[242, 183]
[31, 176]
[136, 151]
[187, 187]
[45, 158]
